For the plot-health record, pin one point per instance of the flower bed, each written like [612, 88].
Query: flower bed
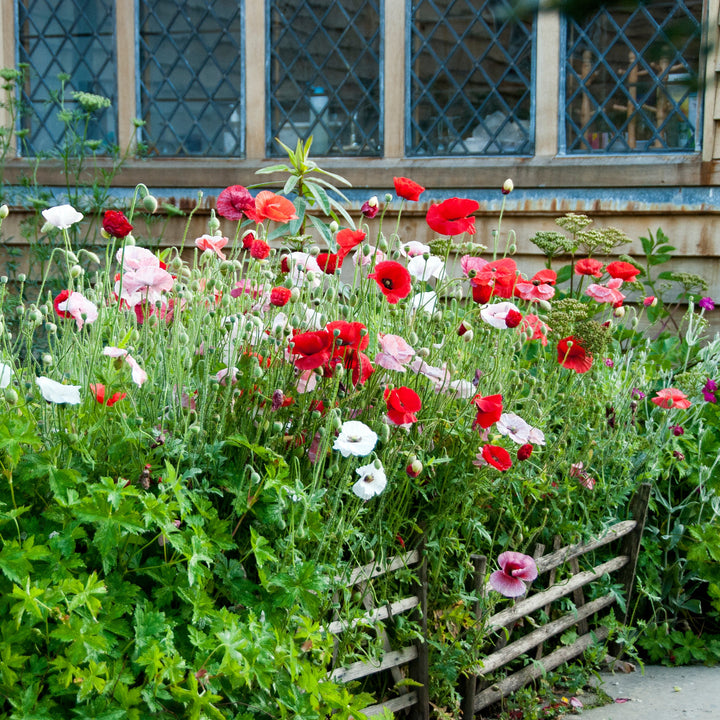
[205, 448]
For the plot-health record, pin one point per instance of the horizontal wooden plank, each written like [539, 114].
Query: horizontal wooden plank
[393, 705]
[532, 672]
[381, 613]
[540, 599]
[372, 570]
[533, 639]
[363, 669]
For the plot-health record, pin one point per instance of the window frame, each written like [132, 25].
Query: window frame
[547, 168]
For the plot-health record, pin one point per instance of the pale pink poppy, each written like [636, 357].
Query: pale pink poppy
[359, 258]
[394, 352]
[515, 570]
[133, 257]
[212, 242]
[471, 265]
[79, 307]
[139, 376]
[413, 248]
[607, 293]
[499, 315]
[144, 284]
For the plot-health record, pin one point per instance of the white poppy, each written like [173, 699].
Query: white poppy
[62, 216]
[514, 427]
[497, 313]
[58, 393]
[355, 438]
[425, 301]
[6, 374]
[371, 483]
[422, 269]
[414, 248]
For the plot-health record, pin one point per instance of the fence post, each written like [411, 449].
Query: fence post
[479, 566]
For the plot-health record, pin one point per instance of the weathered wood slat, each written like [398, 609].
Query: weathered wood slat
[532, 672]
[538, 600]
[374, 569]
[392, 705]
[528, 642]
[382, 613]
[390, 659]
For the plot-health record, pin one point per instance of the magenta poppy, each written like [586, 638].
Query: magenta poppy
[453, 216]
[515, 570]
[393, 279]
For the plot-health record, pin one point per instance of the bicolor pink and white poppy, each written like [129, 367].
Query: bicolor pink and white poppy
[79, 307]
[515, 570]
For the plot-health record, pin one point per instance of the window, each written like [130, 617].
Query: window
[325, 76]
[74, 39]
[470, 79]
[191, 77]
[632, 79]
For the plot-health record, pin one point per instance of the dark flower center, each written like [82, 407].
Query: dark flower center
[388, 283]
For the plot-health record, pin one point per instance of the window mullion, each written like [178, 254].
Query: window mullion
[547, 84]
[255, 78]
[125, 40]
[394, 69]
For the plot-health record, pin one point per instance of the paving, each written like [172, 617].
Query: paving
[660, 693]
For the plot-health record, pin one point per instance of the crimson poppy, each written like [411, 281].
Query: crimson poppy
[622, 271]
[61, 298]
[116, 224]
[393, 279]
[489, 410]
[524, 451]
[402, 404]
[259, 249]
[572, 355]
[234, 201]
[280, 296]
[497, 456]
[589, 266]
[453, 216]
[329, 262]
[408, 189]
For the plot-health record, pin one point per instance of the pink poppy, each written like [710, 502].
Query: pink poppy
[671, 398]
[139, 376]
[533, 324]
[589, 266]
[75, 305]
[234, 201]
[607, 293]
[515, 570]
[212, 242]
[471, 265]
[539, 287]
[394, 352]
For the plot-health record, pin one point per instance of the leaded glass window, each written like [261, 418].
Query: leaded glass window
[470, 74]
[74, 39]
[632, 79]
[325, 69]
[191, 77]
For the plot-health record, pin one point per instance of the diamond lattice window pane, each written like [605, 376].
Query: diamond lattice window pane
[471, 68]
[191, 77]
[325, 76]
[76, 39]
[632, 79]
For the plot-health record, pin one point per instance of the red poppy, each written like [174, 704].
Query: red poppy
[61, 298]
[259, 249]
[497, 456]
[329, 262]
[589, 266]
[348, 239]
[453, 216]
[280, 296]
[116, 224]
[234, 201]
[622, 271]
[489, 410]
[408, 189]
[314, 348]
[524, 451]
[495, 279]
[572, 355]
[393, 279]
[402, 404]
[273, 207]
[349, 334]
[98, 392]
[671, 398]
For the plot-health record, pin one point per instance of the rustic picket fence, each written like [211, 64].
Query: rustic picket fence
[478, 692]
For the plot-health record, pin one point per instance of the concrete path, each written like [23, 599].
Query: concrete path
[661, 693]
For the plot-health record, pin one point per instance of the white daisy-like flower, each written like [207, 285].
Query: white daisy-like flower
[6, 374]
[371, 483]
[58, 393]
[62, 216]
[355, 438]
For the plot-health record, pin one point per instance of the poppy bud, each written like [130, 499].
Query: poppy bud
[4, 211]
[150, 203]
[508, 187]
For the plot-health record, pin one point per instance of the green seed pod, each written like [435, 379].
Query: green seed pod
[76, 271]
[384, 432]
[11, 395]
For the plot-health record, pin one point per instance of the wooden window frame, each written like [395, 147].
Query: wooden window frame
[545, 169]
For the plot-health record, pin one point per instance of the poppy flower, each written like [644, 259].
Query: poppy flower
[274, 207]
[671, 398]
[533, 324]
[393, 279]
[497, 278]
[138, 375]
[622, 271]
[212, 242]
[313, 347]
[539, 287]
[329, 262]
[453, 216]
[349, 334]
[572, 355]
[234, 202]
[402, 404]
[259, 249]
[370, 208]
[98, 392]
[489, 410]
[347, 240]
[62, 216]
[607, 293]
[57, 393]
[524, 451]
[501, 315]
[589, 266]
[408, 189]
[280, 296]
[74, 305]
[355, 439]
[371, 483]
[115, 224]
[515, 570]
[394, 353]
[497, 456]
